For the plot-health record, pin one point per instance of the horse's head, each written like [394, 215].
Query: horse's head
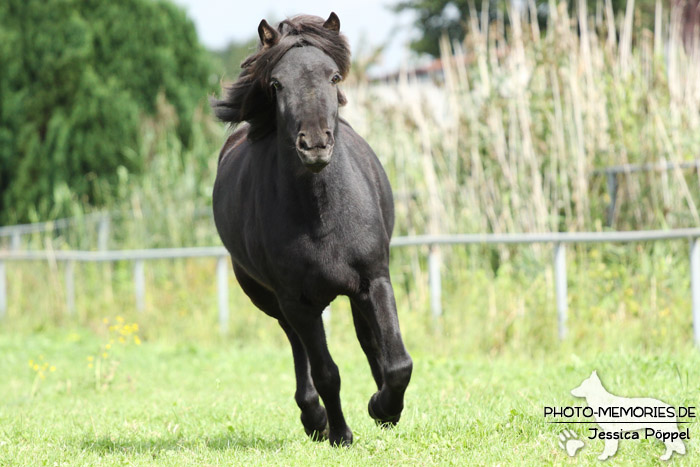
[290, 84]
[304, 85]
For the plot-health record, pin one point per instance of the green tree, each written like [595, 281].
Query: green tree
[228, 61]
[76, 79]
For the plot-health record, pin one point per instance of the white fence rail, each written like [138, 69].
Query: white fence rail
[100, 219]
[558, 240]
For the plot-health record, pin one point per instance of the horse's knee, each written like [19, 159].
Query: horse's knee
[306, 398]
[398, 375]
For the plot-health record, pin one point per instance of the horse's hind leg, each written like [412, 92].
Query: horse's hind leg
[376, 303]
[313, 415]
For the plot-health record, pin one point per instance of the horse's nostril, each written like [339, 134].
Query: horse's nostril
[301, 141]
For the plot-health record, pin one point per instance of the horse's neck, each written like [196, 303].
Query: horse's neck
[312, 195]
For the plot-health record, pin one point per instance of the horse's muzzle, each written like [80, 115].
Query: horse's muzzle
[315, 149]
[315, 159]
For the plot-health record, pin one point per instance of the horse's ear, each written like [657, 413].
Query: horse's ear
[332, 23]
[268, 35]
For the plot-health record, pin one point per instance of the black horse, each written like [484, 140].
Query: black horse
[305, 209]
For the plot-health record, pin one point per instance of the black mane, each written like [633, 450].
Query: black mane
[250, 98]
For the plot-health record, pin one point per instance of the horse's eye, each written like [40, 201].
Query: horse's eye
[274, 84]
[336, 78]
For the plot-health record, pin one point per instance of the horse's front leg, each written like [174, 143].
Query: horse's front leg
[368, 343]
[308, 326]
[384, 349]
[313, 415]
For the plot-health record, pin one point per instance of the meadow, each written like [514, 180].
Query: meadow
[508, 142]
[176, 392]
[229, 401]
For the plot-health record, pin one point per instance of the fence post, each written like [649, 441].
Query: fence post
[222, 289]
[434, 278]
[139, 285]
[560, 286]
[15, 241]
[3, 291]
[70, 286]
[103, 232]
[326, 317]
[695, 286]
[611, 178]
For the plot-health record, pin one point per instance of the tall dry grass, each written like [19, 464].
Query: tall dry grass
[512, 138]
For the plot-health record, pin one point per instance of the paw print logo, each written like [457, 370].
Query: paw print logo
[569, 442]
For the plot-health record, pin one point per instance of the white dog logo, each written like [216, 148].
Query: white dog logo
[617, 416]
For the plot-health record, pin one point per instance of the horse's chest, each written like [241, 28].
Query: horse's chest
[305, 255]
[320, 265]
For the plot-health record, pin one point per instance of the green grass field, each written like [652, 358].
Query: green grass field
[229, 402]
[177, 393]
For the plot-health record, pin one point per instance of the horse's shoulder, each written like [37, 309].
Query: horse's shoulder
[236, 138]
[353, 138]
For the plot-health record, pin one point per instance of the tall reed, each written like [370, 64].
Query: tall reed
[511, 138]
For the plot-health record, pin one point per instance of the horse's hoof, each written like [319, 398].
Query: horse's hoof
[315, 424]
[380, 417]
[342, 439]
[317, 435]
